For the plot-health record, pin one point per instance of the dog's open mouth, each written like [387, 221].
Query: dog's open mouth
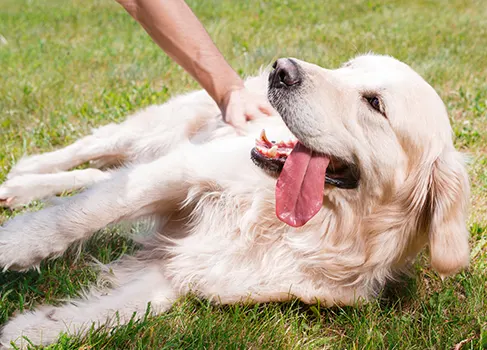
[302, 175]
[271, 155]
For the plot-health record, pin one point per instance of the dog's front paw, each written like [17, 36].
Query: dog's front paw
[17, 192]
[29, 165]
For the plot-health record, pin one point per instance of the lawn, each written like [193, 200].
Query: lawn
[66, 66]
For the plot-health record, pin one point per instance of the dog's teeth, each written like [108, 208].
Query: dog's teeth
[264, 138]
[292, 142]
[272, 152]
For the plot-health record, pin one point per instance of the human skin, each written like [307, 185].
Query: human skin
[176, 29]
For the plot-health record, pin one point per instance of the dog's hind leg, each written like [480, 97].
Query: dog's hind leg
[130, 297]
[23, 189]
[130, 193]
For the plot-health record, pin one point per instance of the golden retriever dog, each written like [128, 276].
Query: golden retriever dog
[338, 195]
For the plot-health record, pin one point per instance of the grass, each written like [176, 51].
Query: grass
[66, 66]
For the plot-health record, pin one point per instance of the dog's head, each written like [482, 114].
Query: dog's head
[381, 131]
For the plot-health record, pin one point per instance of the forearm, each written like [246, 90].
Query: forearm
[174, 27]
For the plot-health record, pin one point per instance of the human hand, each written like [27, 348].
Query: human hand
[240, 105]
[175, 28]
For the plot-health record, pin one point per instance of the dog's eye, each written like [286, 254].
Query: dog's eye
[375, 103]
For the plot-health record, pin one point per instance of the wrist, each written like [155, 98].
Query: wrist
[217, 77]
[222, 96]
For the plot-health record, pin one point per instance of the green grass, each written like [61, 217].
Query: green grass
[66, 66]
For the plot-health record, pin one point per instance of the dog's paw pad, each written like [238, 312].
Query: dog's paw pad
[7, 202]
[6, 198]
[13, 195]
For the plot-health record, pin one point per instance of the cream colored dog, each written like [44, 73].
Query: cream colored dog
[360, 174]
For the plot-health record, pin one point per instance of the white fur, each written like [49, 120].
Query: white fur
[216, 231]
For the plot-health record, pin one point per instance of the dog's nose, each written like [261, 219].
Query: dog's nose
[285, 73]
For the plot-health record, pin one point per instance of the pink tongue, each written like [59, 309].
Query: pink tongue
[299, 190]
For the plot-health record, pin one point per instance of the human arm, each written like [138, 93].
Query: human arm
[175, 28]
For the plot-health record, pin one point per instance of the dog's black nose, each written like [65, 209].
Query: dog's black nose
[285, 73]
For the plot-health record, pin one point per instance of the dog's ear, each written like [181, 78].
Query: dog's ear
[446, 212]
[432, 201]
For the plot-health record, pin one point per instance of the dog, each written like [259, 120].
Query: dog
[326, 201]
